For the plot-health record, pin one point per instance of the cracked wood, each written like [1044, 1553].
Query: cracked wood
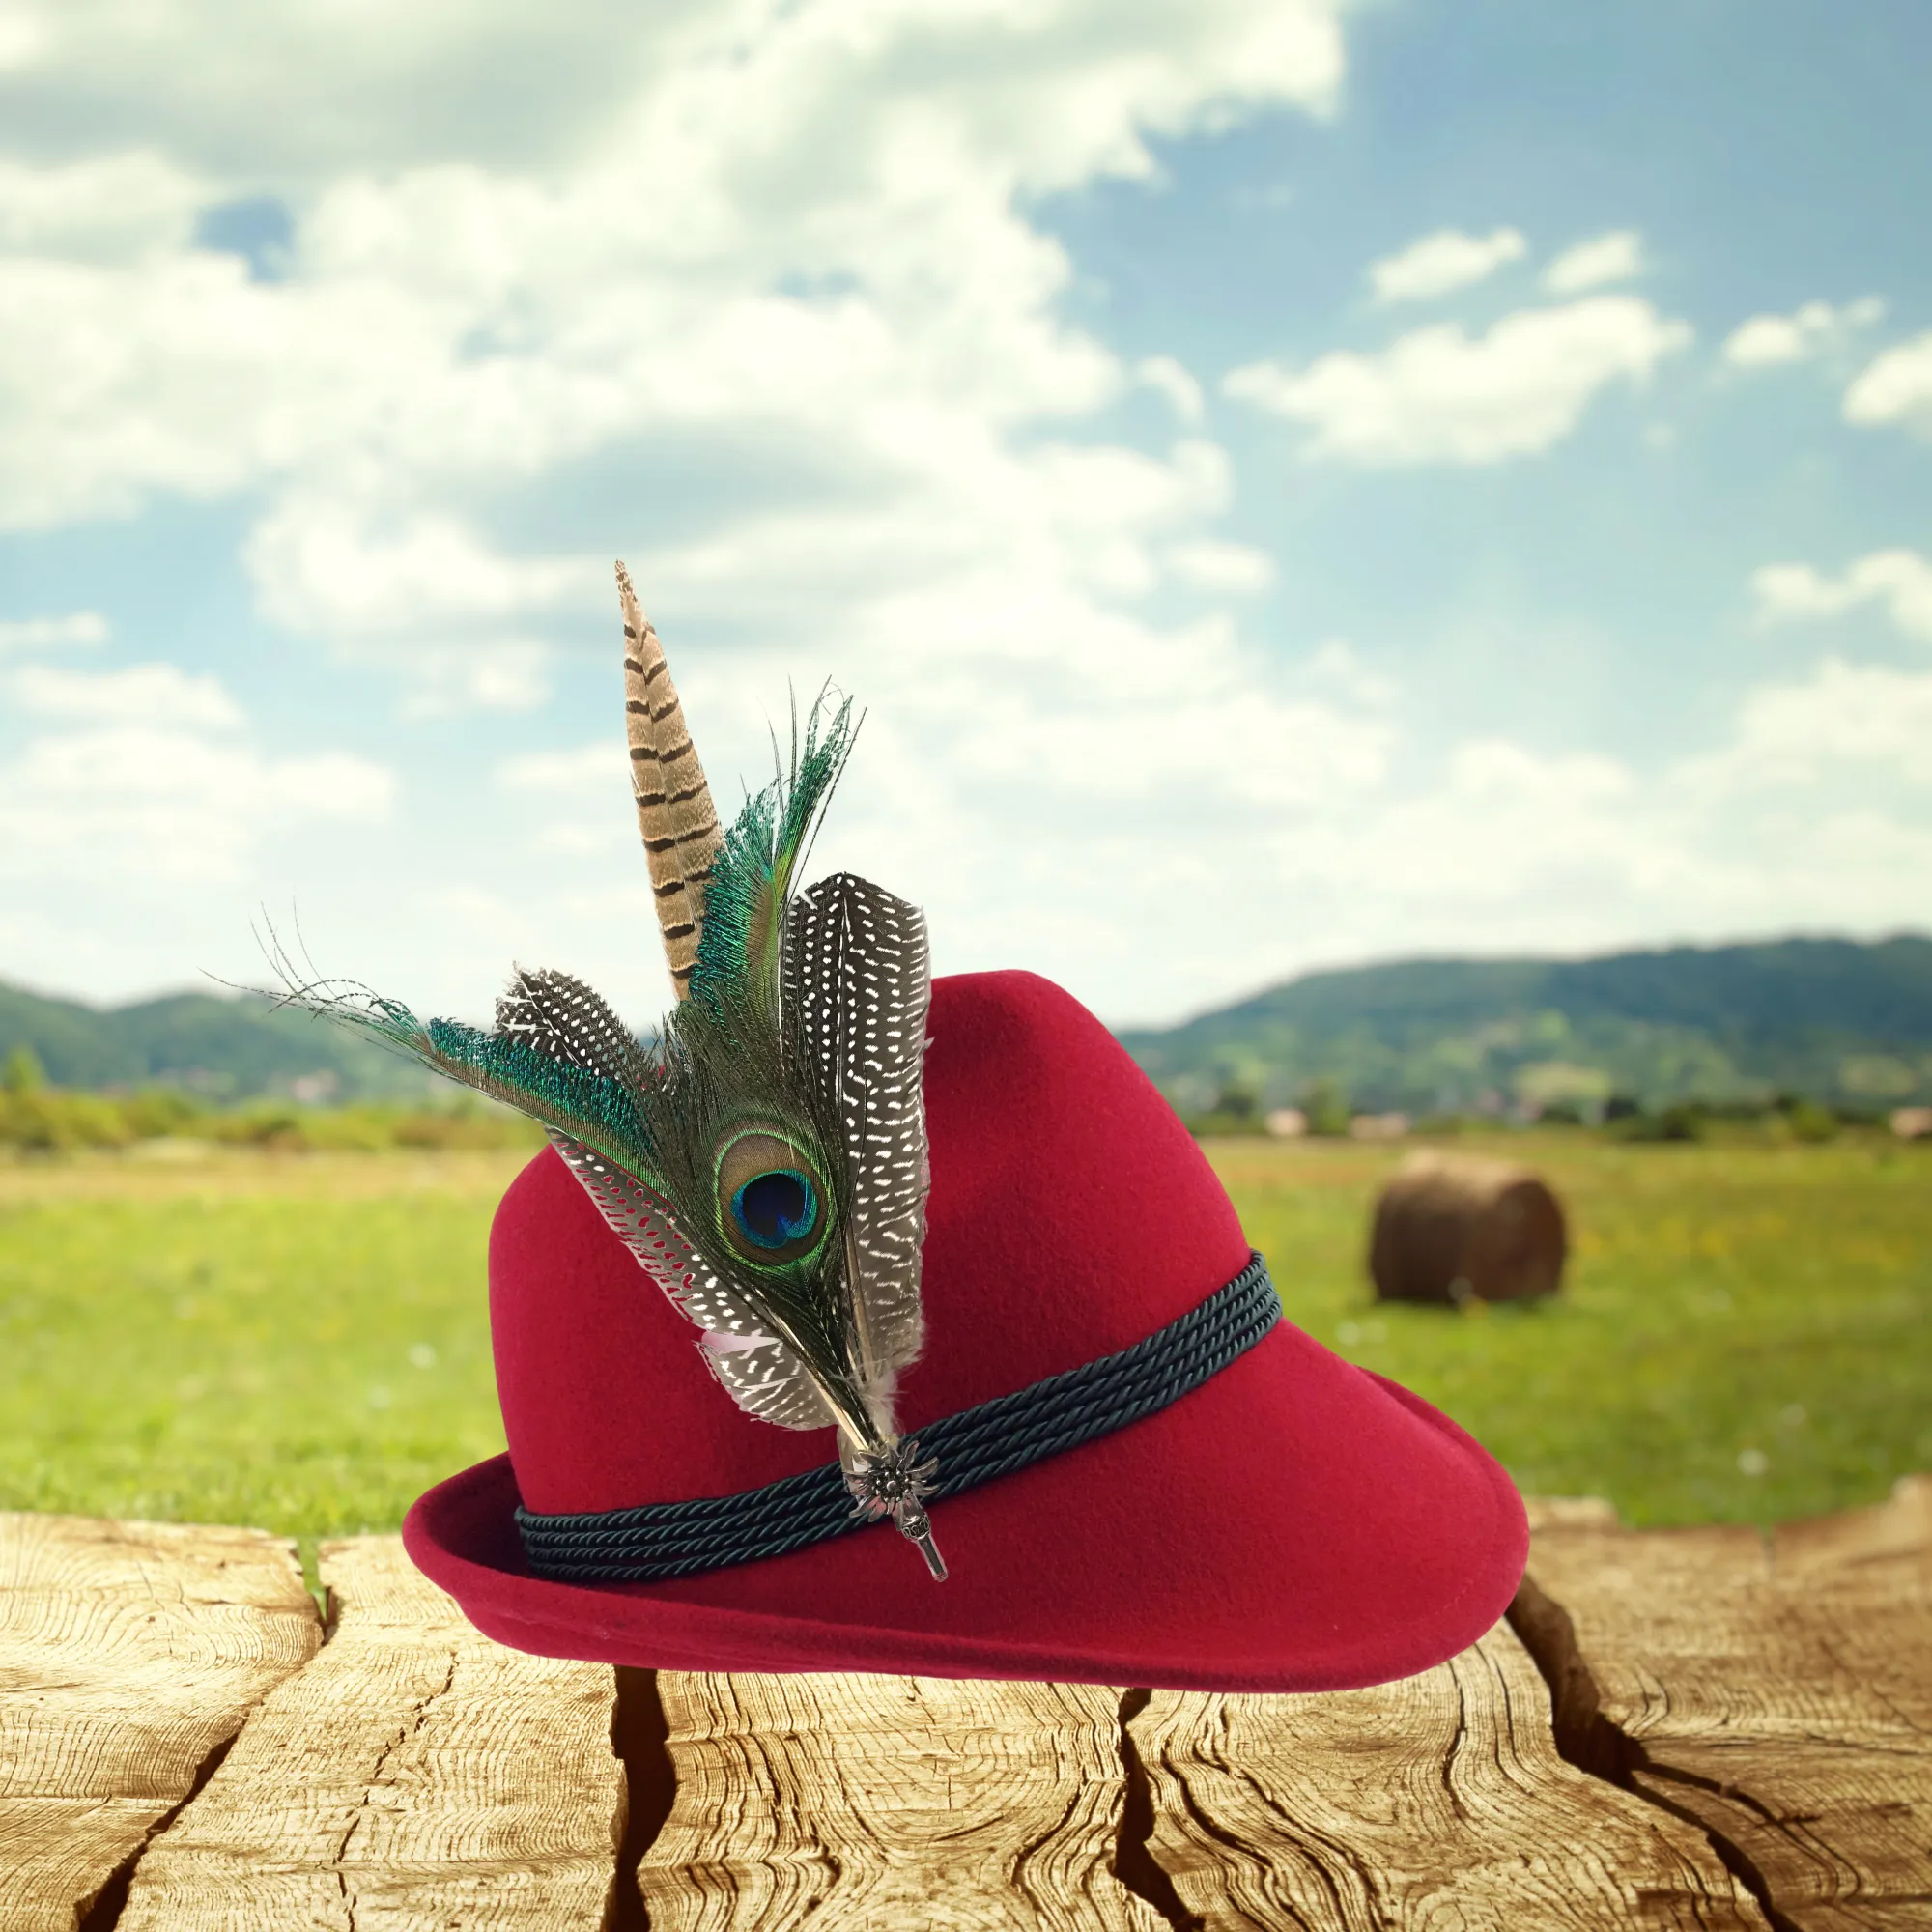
[415, 1775]
[890, 1802]
[129, 1653]
[1435, 1801]
[1777, 1690]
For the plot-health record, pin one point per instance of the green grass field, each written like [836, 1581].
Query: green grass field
[301, 1340]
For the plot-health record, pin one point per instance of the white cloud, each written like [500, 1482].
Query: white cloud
[1899, 580]
[324, 573]
[1806, 813]
[1071, 86]
[1870, 719]
[150, 781]
[793, 242]
[21, 40]
[154, 697]
[1212, 565]
[1616, 257]
[1177, 382]
[1445, 260]
[1335, 669]
[37, 634]
[128, 803]
[1896, 387]
[1808, 330]
[494, 675]
[755, 296]
[1440, 396]
[577, 801]
[123, 208]
[586, 772]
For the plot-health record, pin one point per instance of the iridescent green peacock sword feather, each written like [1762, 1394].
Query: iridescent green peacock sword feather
[765, 1160]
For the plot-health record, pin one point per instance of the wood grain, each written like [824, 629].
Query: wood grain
[1439, 1800]
[1777, 1690]
[414, 1775]
[859, 1802]
[129, 1653]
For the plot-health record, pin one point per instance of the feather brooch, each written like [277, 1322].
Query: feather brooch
[765, 1159]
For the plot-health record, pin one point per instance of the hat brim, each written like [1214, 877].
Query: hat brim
[1297, 1524]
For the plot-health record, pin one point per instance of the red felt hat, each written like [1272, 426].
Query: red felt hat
[1291, 1523]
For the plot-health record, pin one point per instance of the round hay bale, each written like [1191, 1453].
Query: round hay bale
[1451, 1228]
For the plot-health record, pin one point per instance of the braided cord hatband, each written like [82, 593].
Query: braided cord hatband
[656, 1541]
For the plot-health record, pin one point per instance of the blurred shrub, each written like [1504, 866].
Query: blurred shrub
[1236, 1110]
[1686, 1121]
[1806, 1120]
[468, 1124]
[158, 1113]
[1326, 1107]
[276, 1130]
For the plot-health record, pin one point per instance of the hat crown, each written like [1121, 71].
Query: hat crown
[1070, 1216]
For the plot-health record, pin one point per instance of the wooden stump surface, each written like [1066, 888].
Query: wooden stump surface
[1676, 1728]
[889, 1801]
[130, 1653]
[1775, 1689]
[1437, 1801]
[415, 1775]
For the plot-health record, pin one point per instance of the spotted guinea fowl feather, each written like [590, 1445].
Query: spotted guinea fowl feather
[857, 979]
[760, 1372]
[559, 1015]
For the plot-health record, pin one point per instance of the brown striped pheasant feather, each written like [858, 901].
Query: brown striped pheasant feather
[675, 811]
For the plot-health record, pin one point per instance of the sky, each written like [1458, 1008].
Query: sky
[1289, 483]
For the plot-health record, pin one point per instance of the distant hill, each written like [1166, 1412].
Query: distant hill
[1833, 1019]
[227, 1048]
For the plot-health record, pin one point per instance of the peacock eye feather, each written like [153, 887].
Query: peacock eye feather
[774, 1209]
[772, 1199]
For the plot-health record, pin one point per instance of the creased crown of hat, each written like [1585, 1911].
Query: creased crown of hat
[955, 1224]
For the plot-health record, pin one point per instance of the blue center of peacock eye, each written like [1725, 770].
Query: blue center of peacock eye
[776, 1208]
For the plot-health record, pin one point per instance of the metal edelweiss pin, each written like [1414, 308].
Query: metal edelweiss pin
[893, 1485]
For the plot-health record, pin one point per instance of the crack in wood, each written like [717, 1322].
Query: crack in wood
[1770, 1691]
[883, 1801]
[414, 1775]
[408, 1729]
[1134, 1863]
[130, 1656]
[103, 1914]
[639, 1734]
[1594, 1745]
[1436, 1800]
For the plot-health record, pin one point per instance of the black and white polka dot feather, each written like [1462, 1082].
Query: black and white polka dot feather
[564, 1018]
[857, 982]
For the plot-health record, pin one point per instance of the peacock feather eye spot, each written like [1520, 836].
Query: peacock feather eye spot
[776, 1208]
[772, 1207]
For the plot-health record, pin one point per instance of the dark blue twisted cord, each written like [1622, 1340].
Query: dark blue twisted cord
[658, 1541]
